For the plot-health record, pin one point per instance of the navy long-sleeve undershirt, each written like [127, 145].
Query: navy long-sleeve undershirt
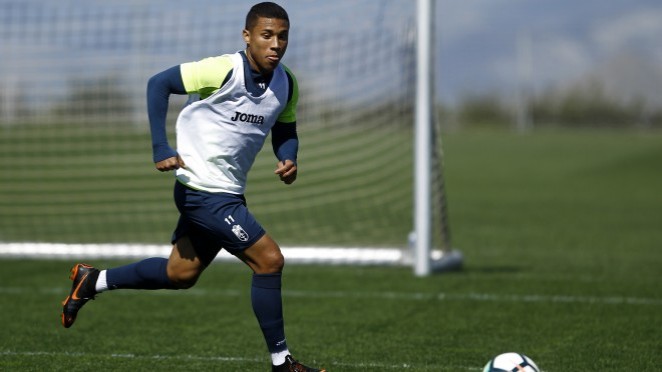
[285, 141]
[159, 88]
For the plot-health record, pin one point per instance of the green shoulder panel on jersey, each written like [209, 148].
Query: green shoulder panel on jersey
[289, 115]
[205, 77]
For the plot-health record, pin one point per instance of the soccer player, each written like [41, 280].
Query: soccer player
[242, 97]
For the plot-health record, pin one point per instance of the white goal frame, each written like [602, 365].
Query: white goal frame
[426, 150]
[429, 196]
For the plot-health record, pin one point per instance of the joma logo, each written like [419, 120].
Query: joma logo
[248, 118]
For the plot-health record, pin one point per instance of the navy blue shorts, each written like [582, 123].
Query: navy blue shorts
[214, 221]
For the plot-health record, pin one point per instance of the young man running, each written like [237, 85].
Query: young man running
[243, 97]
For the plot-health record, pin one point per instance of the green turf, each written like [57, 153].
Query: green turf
[561, 233]
[347, 319]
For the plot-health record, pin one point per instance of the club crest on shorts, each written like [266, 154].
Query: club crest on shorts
[240, 232]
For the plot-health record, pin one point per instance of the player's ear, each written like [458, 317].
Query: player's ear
[247, 35]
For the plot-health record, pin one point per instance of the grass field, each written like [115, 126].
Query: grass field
[562, 235]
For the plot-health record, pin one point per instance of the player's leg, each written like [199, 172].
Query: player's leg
[263, 257]
[181, 270]
[266, 260]
[224, 220]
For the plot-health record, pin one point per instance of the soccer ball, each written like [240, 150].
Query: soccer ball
[511, 362]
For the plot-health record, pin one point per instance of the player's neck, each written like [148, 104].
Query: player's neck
[254, 67]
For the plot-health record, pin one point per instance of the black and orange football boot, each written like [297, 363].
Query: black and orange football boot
[291, 365]
[82, 290]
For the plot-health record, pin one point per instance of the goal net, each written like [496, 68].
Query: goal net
[74, 136]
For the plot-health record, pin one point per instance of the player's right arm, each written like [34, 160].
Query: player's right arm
[159, 88]
[203, 77]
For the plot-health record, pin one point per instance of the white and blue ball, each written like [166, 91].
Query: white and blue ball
[511, 362]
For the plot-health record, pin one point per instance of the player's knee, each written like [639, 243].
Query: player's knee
[268, 262]
[264, 257]
[183, 279]
[279, 262]
[183, 282]
[273, 262]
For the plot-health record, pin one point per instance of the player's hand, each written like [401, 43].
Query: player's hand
[287, 171]
[169, 164]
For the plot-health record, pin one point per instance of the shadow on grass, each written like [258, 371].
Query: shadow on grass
[491, 269]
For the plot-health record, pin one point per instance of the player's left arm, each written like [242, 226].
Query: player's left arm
[284, 138]
[286, 145]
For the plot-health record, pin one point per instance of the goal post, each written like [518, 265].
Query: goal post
[428, 158]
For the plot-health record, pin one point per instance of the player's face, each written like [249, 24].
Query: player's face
[266, 43]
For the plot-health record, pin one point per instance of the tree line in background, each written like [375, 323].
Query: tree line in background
[580, 106]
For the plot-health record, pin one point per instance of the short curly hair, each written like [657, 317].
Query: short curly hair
[265, 10]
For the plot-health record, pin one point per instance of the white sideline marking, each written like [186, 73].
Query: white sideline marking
[477, 297]
[326, 255]
[397, 296]
[130, 356]
[206, 359]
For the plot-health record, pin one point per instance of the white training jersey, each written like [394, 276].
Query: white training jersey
[219, 137]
